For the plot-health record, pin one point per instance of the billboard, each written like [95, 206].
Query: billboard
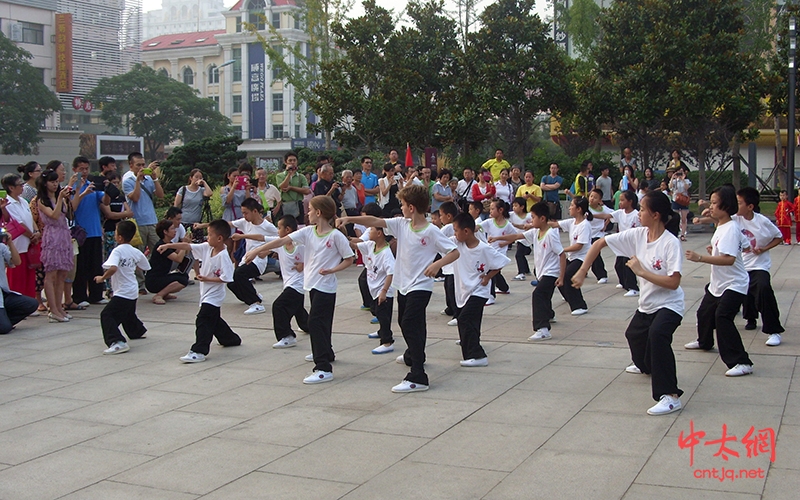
[63, 52]
[256, 91]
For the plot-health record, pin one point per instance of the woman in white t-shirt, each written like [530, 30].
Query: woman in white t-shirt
[727, 288]
[600, 217]
[655, 257]
[627, 217]
[580, 237]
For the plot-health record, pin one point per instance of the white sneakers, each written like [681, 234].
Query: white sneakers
[619, 286]
[309, 357]
[541, 334]
[602, 281]
[579, 312]
[472, 363]
[255, 308]
[193, 357]
[489, 302]
[285, 342]
[773, 340]
[383, 349]
[667, 404]
[692, 345]
[739, 370]
[633, 369]
[117, 348]
[373, 335]
[453, 322]
[401, 359]
[318, 377]
[631, 293]
[406, 386]
[519, 277]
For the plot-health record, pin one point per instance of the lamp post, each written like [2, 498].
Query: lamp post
[791, 144]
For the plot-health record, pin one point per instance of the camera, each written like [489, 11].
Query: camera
[147, 171]
[4, 236]
[242, 181]
[398, 177]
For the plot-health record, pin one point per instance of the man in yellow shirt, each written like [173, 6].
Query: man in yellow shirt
[531, 192]
[496, 165]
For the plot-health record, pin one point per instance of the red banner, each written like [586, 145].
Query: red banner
[63, 52]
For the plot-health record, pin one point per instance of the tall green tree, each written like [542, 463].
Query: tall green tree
[213, 155]
[157, 108]
[25, 102]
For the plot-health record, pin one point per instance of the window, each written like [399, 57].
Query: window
[163, 72]
[297, 131]
[213, 74]
[255, 14]
[216, 102]
[188, 76]
[297, 21]
[237, 104]
[33, 33]
[277, 101]
[276, 20]
[277, 131]
[237, 64]
[276, 72]
[237, 131]
[239, 24]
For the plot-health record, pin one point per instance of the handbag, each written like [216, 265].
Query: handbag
[487, 205]
[14, 228]
[682, 199]
[75, 230]
[185, 265]
[35, 256]
[136, 241]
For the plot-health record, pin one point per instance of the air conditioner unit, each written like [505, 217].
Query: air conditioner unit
[16, 32]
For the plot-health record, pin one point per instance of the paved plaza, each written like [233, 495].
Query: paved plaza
[553, 420]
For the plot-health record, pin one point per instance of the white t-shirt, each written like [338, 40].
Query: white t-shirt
[516, 220]
[729, 240]
[547, 250]
[626, 221]
[578, 233]
[219, 265]
[464, 189]
[598, 225]
[663, 257]
[321, 252]
[292, 278]
[471, 265]
[759, 231]
[416, 250]
[180, 233]
[379, 265]
[265, 229]
[448, 231]
[21, 212]
[126, 259]
[490, 228]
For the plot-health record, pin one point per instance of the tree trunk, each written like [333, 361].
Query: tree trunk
[778, 152]
[327, 140]
[701, 168]
[520, 140]
[598, 144]
[737, 164]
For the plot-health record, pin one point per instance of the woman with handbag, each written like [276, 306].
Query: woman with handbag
[18, 222]
[679, 186]
[484, 191]
[57, 253]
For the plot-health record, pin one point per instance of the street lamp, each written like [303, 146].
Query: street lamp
[792, 84]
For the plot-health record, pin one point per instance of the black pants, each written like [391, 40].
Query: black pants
[383, 312]
[366, 297]
[761, 299]
[209, 324]
[242, 287]
[287, 305]
[522, 261]
[89, 265]
[469, 328]
[15, 309]
[320, 327]
[650, 340]
[499, 283]
[117, 312]
[411, 316]
[542, 302]
[450, 295]
[573, 296]
[718, 313]
[625, 276]
[598, 266]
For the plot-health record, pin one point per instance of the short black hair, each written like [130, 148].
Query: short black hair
[727, 198]
[172, 212]
[105, 161]
[289, 221]
[477, 204]
[220, 227]
[465, 221]
[540, 209]
[78, 160]
[252, 204]
[162, 227]
[246, 167]
[126, 230]
[133, 155]
[287, 155]
[372, 209]
[449, 208]
[750, 196]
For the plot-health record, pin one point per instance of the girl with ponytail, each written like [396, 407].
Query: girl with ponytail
[580, 237]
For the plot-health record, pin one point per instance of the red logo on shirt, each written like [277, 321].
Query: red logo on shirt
[656, 264]
[327, 244]
[218, 273]
[481, 267]
[423, 242]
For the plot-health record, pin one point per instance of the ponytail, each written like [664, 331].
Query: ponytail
[658, 202]
[583, 204]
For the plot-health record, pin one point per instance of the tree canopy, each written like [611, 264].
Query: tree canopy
[25, 100]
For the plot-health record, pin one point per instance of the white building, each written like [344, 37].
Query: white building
[183, 16]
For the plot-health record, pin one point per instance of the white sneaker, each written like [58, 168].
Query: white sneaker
[489, 302]
[541, 334]
[692, 345]
[443, 312]
[406, 386]
[739, 370]
[193, 357]
[255, 308]
[401, 359]
[602, 281]
[373, 335]
[633, 369]
[519, 277]
[438, 280]
[667, 404]
[383, 349]
[309, 357]
[453, 322]
[773, 340]
[579, 312]
[117, 348]
[619, 286]
[471, 363]
[458, 342]
[318, 377]
[102, 302]
[285, 342]
[84, 303]
[631, 293]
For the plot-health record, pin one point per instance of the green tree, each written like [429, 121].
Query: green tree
[520, 72]
[157, 108]
[581, 22]
[213, 155]
[25, 101]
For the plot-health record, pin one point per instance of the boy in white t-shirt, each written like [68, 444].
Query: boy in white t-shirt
[447, 213]
[290, 302]
[215, 271]
[379, 263]
[521, 219]
[478, 262]
[121, 267]
[418, 242]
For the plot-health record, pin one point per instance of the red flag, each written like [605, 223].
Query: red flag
[409, 158]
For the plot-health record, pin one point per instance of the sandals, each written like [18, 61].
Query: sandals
[683, 237]
[158, 300]
[72, 306]
[169, 296]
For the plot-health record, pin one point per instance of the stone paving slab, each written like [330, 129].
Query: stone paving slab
[547, 420]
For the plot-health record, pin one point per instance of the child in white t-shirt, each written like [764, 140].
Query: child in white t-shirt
[627, 217]
[216, 270]
[327, 252]
[521, 221]
[290, 302]
[447, 213]
[477, 264]
[121, 267]
[727, 288]
[379, 263]
[600, 217]
[498, 225]
[580, 238]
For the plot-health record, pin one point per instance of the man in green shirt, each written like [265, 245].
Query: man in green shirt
[496, 165]
[293, 187]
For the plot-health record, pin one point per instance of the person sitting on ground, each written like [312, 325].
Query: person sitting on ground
[159, 279]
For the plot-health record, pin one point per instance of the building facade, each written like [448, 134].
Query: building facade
[183, 16]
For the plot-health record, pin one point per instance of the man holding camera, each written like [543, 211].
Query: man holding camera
[87, 200]
[293, 186]
[142, 185]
